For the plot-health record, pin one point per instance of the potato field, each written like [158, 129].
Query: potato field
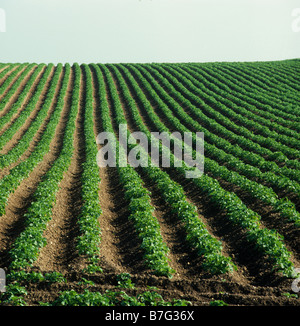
[75, 233]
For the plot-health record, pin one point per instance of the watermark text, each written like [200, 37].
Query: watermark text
[161, 150]
[2, 280]
[296, 21]
[2, 21]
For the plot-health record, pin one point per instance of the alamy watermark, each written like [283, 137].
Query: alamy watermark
[295, 284]
[2, 280]
[296, 21]
[136, 150]
[2, 21]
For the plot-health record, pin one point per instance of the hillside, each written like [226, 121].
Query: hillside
[231, 234]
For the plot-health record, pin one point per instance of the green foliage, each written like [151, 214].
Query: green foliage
[35, 277]
[251, 142]
[237, 212]
[218, 303]
[124, 281]
[14, 295]
[114, 298]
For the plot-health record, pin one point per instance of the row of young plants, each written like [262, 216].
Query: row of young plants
[285, 207]
[282, 105]
[248, 157]
[275, 119]
[264, 106]
[243, 140]
[16, 107]
[276, 79]
[9, 82]
[6, 74]
[29, 70]
[197, 235]
[14, 154]
[288, 71]
[11, 181]
[289, 65]
[283, 108]
[266, 137]
[138, 198]
[289, 170]
[241, 144]
[265, 87]
[89, 238]
[5, 69]
[115, 298]
[268, 242]
[16, 293]
[261, 113]
[264, 83]
[26, 247]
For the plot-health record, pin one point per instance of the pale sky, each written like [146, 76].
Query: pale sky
[113, 31]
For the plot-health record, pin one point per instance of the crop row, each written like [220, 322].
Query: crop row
[255, 110]
[267, 241]
[167, 99]
[264, 106]
[25, 249]
[279, 81]
[11, 181]
[273, 101]
[6, 117]
[266, 83]
[256, 190]
[24, 69]
[139, 200]
[197, 234]
[88, 243]
[240, 146]
[9, 74]
[14, 154]
[268, 137]
[16, 107]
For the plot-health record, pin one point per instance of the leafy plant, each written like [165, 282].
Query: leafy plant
[218, 303]
[124, 281]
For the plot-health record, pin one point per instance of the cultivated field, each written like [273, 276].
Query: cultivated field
[74, 233]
